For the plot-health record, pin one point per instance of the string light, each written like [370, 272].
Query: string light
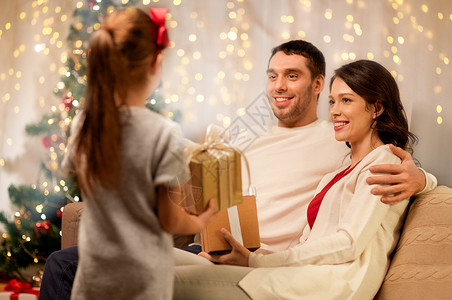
[39, 208]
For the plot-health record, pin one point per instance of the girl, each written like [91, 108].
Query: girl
[345, 247]
[129, 161]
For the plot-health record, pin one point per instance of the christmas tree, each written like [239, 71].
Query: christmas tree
[35, 230]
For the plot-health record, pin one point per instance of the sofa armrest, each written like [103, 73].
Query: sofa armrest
[421, 267]
[69, 225]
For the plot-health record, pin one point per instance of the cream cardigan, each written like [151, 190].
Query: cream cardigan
[345, 256]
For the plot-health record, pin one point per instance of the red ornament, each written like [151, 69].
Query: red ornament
[68, 102]
[45, 140]
[60, 212]
[42, 227]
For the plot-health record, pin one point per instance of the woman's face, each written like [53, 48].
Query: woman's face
[351, 117]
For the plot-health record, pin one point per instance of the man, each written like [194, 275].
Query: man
[286, 165]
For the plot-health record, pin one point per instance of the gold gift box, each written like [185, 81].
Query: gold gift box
[216, 174]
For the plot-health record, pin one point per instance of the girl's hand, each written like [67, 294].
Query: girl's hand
[238, 256]
[175, 219]
[205, 217]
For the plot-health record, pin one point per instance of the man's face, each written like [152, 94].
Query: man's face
[291, 90]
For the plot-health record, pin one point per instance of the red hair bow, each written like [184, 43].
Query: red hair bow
[158, 17]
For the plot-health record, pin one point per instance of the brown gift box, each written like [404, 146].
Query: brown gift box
[216, 174]
[212, 239]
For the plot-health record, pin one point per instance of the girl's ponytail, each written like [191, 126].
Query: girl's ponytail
[99, 139]
[120, 55]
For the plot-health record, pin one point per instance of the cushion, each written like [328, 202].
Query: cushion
[421, 267]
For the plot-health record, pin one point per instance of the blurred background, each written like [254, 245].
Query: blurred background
[215, 68]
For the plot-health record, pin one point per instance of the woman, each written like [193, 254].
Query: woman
[344, 250]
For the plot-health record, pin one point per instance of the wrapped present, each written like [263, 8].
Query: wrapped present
[18, 296]
[215, 173]
[17, 290]
[240, 220]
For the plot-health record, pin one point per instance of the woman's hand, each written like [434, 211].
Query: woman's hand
[238, 256]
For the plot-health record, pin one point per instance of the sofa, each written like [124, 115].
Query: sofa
[421, 265]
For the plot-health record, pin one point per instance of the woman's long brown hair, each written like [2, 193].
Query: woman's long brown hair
[376, 85]
[120, 55]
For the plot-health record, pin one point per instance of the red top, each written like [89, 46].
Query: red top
[313, 208]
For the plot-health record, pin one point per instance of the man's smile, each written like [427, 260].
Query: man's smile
[282, 101]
